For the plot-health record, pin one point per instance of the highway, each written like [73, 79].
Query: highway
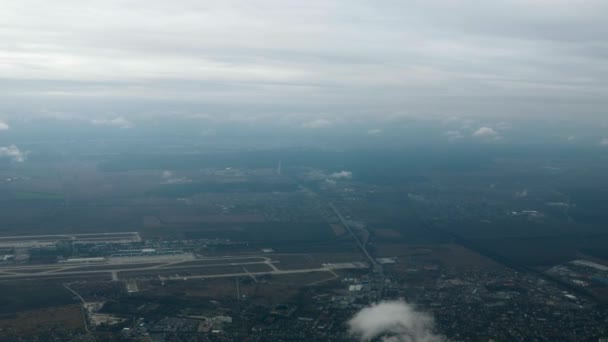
[377, 267]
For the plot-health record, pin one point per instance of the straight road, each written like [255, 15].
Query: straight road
[377, 267]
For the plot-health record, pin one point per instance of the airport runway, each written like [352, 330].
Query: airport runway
[196, 269]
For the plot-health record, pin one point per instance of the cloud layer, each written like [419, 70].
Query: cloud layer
[487, 133]
[341, 175]
[118, 122]
[394, 321]
[344, 58]
[14, 153]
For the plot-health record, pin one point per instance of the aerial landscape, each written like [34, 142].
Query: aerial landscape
[290, 171]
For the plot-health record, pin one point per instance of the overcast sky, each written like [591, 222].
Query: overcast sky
[311, 62]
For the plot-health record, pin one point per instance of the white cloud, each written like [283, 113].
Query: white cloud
[604, 142]
[331, 179]
[450, 120]
[467, 123]
[178, 180]
[14, 153]
[393, 321]
[341, 175]
[330, 182]
[317, 123]
[374, 131]
[453, 135]
[487, 133]
[4, 126]
[504, 125]
[169, 177]
[119, 122]
[314, 175]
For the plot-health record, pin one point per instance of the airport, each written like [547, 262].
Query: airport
[127, 264]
